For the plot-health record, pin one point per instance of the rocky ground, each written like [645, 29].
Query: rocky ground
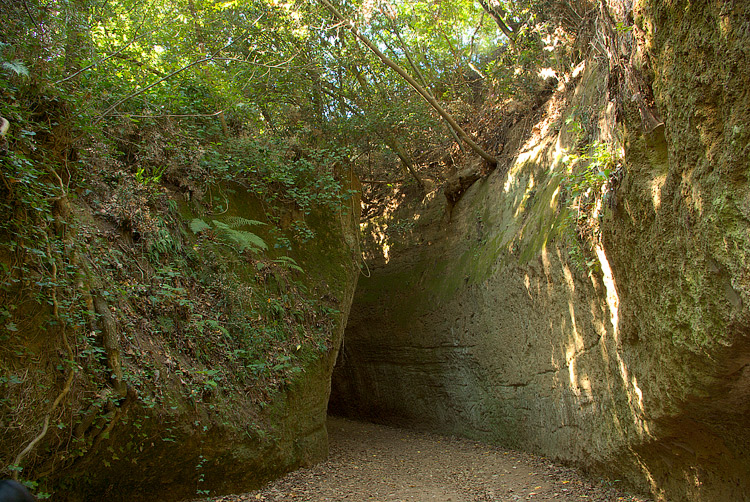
[375, 463]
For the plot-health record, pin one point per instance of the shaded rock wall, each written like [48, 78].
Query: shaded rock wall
[217, 454]
[480, 323]
[183, 427]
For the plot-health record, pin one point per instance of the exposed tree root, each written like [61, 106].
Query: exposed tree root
[68, 383]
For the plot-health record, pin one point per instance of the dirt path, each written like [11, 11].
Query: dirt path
[376, 463]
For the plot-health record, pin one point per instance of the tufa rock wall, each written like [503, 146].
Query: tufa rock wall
[629, 357]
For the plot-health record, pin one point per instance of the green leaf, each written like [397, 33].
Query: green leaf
[288, 262]
[247, 240]
[243, 240]
[239, 221]
[197, 225]
[17, 67]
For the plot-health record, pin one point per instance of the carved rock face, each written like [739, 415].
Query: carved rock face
[635, 366]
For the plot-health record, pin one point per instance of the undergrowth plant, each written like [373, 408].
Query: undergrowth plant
[587, 179]
[227, 323]
[240, 240]
[283, 176]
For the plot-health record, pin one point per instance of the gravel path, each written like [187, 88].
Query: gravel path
[375, 463]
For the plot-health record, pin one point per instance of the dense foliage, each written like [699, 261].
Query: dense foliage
[260, 69]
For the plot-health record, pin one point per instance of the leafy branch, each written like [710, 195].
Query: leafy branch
[141, 91]
[413, 83]
[105, 58]
[211, 57]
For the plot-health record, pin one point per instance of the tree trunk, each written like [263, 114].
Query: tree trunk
[497, 13]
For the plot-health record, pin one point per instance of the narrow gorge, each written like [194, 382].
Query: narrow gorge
[514, 227]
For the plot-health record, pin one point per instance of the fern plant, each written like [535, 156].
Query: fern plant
[15, 66]
[197, 226]
[241, 240]
[288, 262]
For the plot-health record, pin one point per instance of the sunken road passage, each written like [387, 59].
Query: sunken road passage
[376, 463]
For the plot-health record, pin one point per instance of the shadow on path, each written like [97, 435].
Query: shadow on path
[376, 463]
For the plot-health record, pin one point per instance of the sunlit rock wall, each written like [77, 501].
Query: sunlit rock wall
[635, 365]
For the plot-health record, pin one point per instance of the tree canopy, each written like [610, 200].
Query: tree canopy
[276, 72]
